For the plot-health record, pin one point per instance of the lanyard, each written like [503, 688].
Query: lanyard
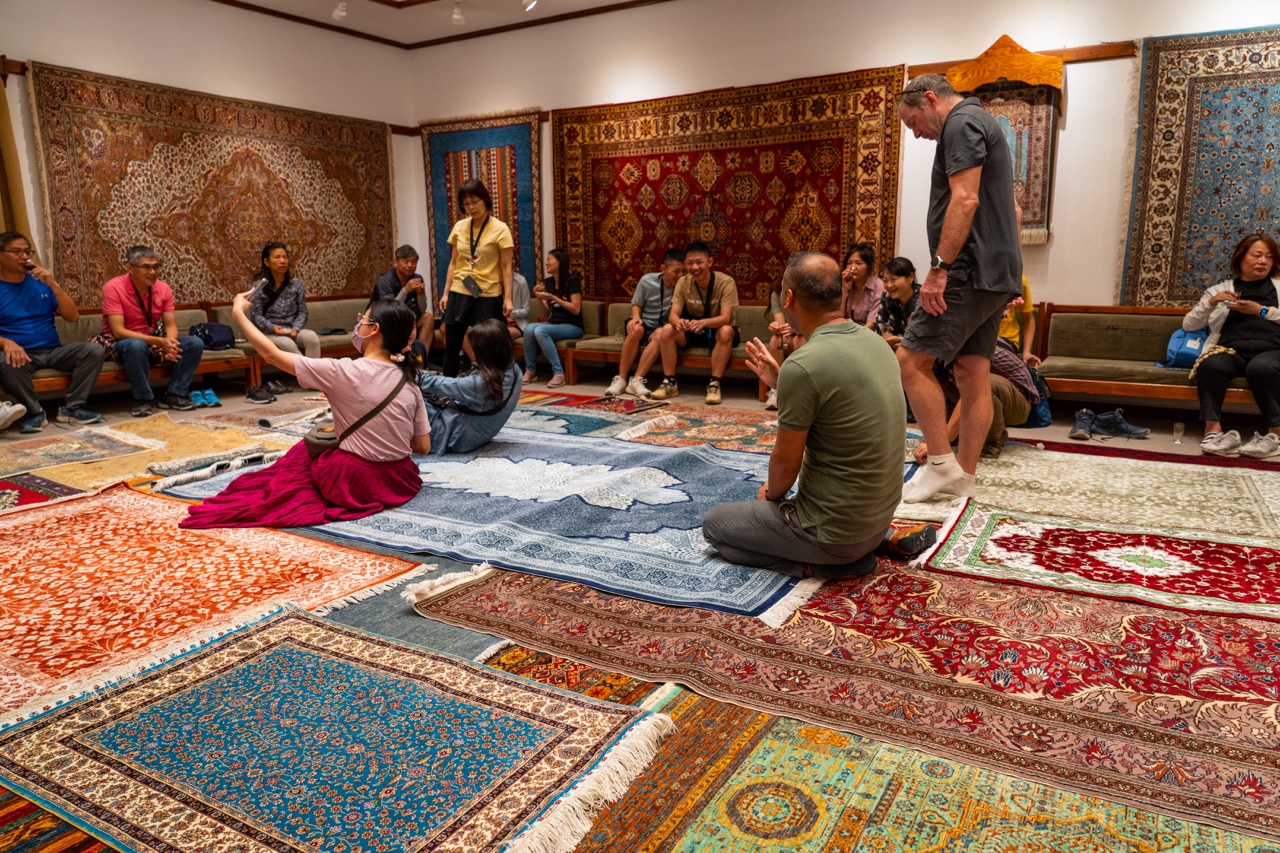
[146, 309]
[711, 289]
[475, 239]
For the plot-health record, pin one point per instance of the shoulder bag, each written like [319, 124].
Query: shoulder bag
[322, 437]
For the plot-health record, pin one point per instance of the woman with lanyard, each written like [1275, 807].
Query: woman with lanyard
[478, 281]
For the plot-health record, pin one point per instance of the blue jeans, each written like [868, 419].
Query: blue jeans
[545, 335]
[135, 356]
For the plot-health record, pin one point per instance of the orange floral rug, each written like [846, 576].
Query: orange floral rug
[97, 587]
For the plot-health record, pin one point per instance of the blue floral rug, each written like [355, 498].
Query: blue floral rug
[294, 734]
[621, 517]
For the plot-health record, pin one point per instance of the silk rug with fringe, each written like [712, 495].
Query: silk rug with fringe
[299, 735]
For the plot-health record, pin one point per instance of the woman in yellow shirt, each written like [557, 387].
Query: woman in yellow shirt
[478, 283]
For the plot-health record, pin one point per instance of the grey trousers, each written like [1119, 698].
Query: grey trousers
[83, 361]
[308, 343]
[768, 535]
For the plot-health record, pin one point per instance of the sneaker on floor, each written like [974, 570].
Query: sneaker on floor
[1221, 444]
[909, 541]
[668, 389]
[616, 387]
[211, 399]
[33, 423]
[197, 397]
[142, 409]
[1084, 425]
[173, 401]
[275, 386]
[771, 402]
[11, 413]
[713, 393]
[80, 416]
[1262, 446]
[1114, 424]
[261, 396]
[637, 387]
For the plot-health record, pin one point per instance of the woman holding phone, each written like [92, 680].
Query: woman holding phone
[561, 296]
[478, 281]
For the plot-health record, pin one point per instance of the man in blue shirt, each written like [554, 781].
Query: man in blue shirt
[29, 299]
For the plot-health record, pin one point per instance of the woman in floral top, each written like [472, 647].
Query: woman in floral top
[901, 296]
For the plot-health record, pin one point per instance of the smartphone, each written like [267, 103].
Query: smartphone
[470, 284]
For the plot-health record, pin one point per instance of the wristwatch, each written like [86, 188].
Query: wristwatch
[1263, 312]
[938, 264]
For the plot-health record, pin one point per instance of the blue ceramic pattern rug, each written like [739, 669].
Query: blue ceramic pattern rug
[621, 517]
[296, 734]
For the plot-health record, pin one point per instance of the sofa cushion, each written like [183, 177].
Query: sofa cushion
[752, 323]
[1122, 337]
[334, 314]
[1115, 370]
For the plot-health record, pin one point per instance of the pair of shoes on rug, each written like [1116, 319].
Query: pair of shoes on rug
[206, 399]
[260, 395]
[169, 400]
[859, 568]
[1111, 424]
[909, 541]
[77, 417]
[1262, 446]
[11, 413]
[277, 387]
[713, 392]
[668, 389]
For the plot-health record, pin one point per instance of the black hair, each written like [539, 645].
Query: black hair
[676, 255]
[406, 251]
[815, 279]
[562, 258]
[395, 321]
[863, 250]
[900, 266]
[479, 190]
[696, 247]
[491, 342]
[270, 287]
[136, 253]
[9, 236]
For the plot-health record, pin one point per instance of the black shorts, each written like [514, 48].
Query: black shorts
[467, 310]
[969, 326]
[707, 338]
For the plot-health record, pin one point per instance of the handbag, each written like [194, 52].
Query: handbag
[216, 336]
[1184, 348]
[321, 437]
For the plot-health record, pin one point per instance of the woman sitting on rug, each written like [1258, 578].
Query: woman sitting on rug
[901, 296]
[371, 470]
[465, 413]
[477, 285]
[561, 296]
[783, 340]
[1244, 340]
[862, 290]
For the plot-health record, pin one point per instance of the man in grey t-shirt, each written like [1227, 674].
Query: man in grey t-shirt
[976, 268]
[650, 307]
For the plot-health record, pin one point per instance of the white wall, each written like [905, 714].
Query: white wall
[691, 45]
[212, 48]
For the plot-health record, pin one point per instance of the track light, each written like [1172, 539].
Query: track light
[340, 11]
[528, 4]
[459, 20]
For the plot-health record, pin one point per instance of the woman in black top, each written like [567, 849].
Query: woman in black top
[1243, 318]
[561, 296]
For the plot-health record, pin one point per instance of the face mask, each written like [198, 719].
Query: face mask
[357, 339]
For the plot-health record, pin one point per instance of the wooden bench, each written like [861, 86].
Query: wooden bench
[1110, 351]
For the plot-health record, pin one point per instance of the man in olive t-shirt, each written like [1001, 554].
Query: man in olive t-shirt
[841, 419]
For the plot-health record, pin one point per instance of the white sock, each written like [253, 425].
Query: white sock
[939, 474]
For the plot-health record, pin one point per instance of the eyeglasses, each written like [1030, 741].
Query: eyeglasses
[147, 267]
[361, 321]
[21, 253]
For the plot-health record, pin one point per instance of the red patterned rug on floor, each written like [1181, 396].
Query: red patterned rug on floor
[1191, 570]
[26, 489]
[1109, 698]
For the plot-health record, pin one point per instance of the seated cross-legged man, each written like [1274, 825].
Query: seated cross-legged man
[29, 299]
[650, 310]
[841, 419]
[139, 331]
[701, 316]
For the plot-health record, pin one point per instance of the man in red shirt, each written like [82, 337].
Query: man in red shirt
[139, 331]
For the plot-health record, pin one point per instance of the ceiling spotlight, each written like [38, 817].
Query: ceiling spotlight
[528, 4]
[459, 19]
[340, 11]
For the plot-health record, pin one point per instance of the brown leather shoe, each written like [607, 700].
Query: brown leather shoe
[909, 541]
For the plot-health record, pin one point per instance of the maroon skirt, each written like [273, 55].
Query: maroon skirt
[298, 491]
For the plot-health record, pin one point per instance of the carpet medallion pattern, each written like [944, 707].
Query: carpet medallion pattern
[1184, 570]
[95, 585]
[295, 734]
[1107, 698]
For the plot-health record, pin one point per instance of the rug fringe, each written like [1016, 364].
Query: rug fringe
[777, 615]
[436, 586]
[121, 674]
[658, 698]
[370, 591]
[1034, 236]
[492, 650]
[948, 524]
[562, 826]
[127, 438]
[1129, 172]
[664, 422]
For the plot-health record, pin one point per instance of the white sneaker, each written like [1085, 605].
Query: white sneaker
[1221, 444]
[1262, 446]
[11, 413]
[615, 387]
[637, 387]
[771, 402]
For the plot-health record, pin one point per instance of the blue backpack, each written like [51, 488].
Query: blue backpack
[1184, 348]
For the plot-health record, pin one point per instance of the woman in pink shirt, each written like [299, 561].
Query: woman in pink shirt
[371, 470]
[862, 290]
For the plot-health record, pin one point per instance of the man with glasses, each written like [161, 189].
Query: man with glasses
[29, 299]
[139, 331]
